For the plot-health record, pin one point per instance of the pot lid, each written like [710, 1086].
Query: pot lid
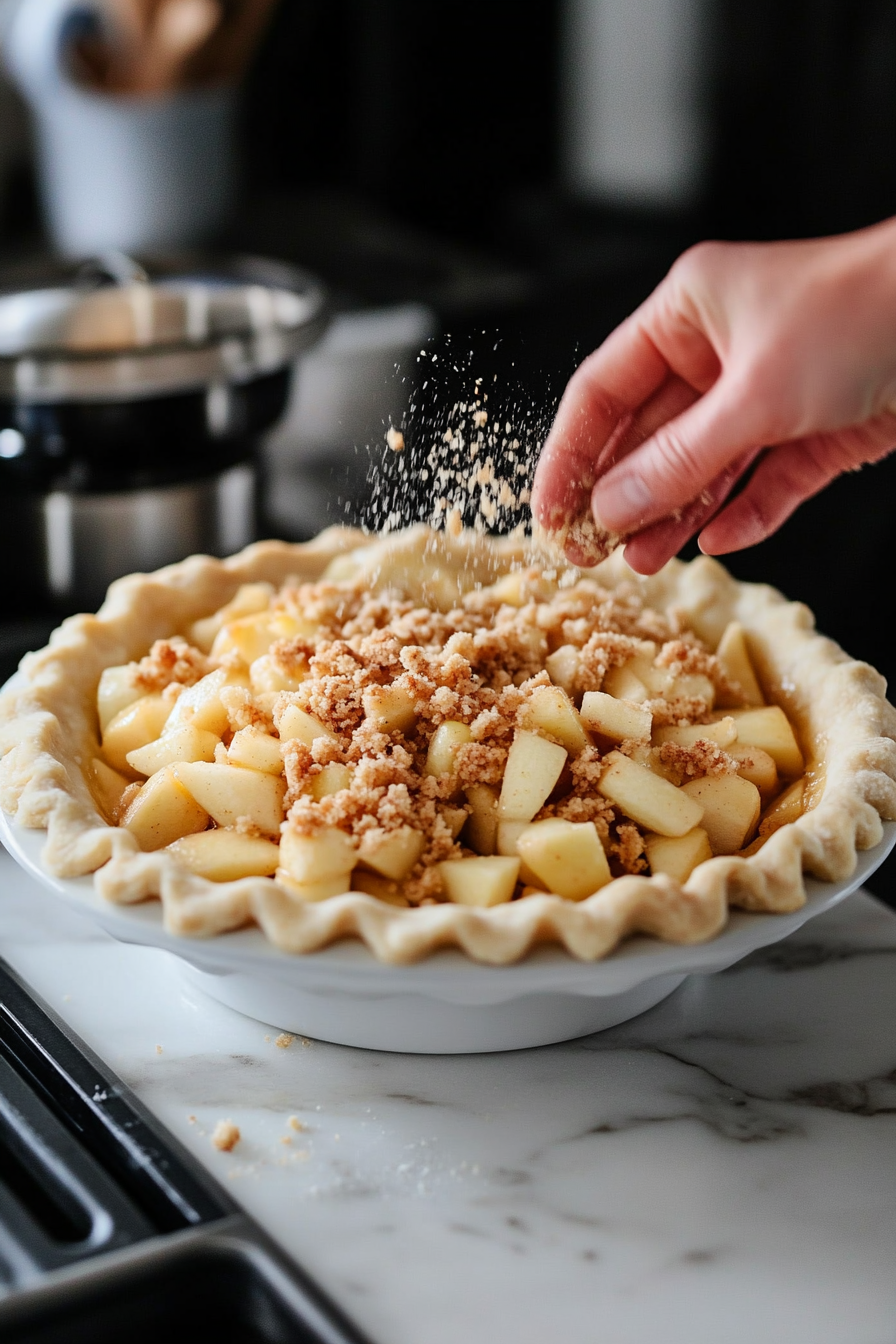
[115, 329]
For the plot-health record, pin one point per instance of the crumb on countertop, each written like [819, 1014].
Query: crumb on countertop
[284, 1040]
[295, 1123]
[225, 1136]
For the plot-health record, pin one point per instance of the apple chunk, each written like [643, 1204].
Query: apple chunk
[722, 733]
[293, 722]
[391, 708]
[734, 655]
[616, 719]
[533, 767]
[118, 688]
[320, 890]
[677, 855]
[225, 855]
[731, 807]
[769, 728]
[484, 881]
[163, 811]
[482, 826]
[133, 727]
[567, 856]
[256, 750]
[786, 808]
[181, 744]
[329, 852]
[550, 710]
[201, 705]
[446, 741]
[392, 853]
[647, 798]
[231, 792]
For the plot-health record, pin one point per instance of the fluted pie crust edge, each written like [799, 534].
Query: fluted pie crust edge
[48, 730]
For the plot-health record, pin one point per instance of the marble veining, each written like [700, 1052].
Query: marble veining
[721, 1169]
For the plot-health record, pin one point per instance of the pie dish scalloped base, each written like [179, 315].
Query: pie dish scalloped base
[447, 1004]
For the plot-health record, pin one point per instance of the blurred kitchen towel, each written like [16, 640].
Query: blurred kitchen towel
[134, 108]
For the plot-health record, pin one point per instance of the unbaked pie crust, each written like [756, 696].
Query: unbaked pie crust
[48, 731]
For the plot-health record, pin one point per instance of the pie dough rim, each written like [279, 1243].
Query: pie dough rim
[847, 728]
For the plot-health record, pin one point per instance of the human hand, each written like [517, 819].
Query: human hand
[781, 352]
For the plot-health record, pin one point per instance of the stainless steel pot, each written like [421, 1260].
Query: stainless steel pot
[132, 398]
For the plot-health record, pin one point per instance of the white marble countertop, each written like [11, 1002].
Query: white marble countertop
[720, 1169]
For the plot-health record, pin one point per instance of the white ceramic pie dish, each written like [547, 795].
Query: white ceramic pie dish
[446, 1004]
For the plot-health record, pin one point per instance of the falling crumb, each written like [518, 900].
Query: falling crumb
[267, 1038]
[454, 523]
[294, 1122]
[286, 1139]
[225, 1136]
[395, 439]
[158, 1049]
[305, 1041]
[191, 1119]
[284, 1040]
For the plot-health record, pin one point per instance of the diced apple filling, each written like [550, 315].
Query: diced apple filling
[677, 855]
[446, 741]
[482, 826]
[731, 807]
[616, 719]
[294, 722]
[567, 856]
[480, 881]
[163, 811]
[649, 800]
[256, 750]
[533, 767]
[393, 853]
[549, 710]
[134, 727]
[224, 855]
[769, 728]
[734, 655]
[185, 743]
[231, 793]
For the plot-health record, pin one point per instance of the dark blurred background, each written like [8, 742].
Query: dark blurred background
[512, 181]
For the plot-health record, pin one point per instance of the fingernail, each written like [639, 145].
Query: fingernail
[621, 503]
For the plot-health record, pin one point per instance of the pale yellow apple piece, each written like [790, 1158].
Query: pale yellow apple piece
[225, 856]
[333, 778]
[373, 884]
[647, 798]
[623, 683]
[620, 720]
[731, 808]
[231, 792]
[328, 853]
[319, 890]
[248, 598]
[567, 856]
[506, 841]
[511, 589]
[181, 744]
[722, 733]
[446, 741]
[757, 766]
[391, 708]
[249, 637]
[106, 786]
[481, 881]
[392, 853]
[267, 677]
[786, 808]
[549, 710]
[455, 818]
[255, 749]
[533, 767]
[563, 667]
[163, 811]
[133, 727]
[118, 688]
[201, 705]
[677, 856]
[293, 722]
[770, 729]
[482, 826]
[734, 655]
